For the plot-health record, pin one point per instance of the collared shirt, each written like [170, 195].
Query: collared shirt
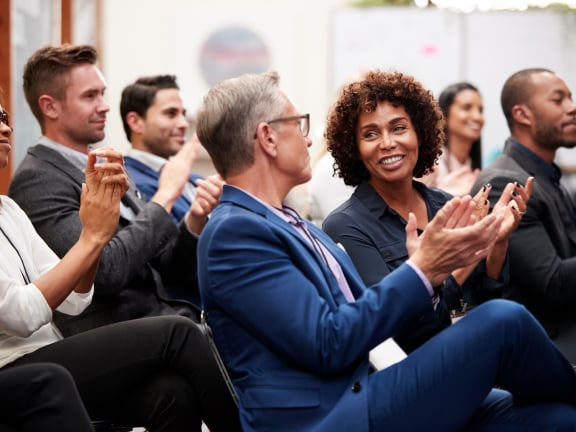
[292, 217]
[374, 236]
[76, 158]
[552, 171]
[153, 161]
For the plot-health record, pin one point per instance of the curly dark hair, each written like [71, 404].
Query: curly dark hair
[363, 96]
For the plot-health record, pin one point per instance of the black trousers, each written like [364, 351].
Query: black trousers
[155, 372]
[41, 397]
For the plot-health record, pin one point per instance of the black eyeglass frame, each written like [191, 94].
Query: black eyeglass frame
[306, 117]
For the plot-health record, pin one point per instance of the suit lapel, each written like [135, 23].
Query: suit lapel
[133, 198]
[58, 161]
[341, 256]
[240, 198]
[326, 271]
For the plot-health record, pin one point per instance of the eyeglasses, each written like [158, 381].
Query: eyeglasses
[4, 118]
[303, 123]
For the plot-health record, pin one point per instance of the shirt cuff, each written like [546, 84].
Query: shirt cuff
[423, 278]
[192, 233]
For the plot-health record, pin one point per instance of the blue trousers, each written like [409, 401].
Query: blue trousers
[449, 383]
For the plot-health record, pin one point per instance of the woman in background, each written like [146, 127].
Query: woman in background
[461, 158]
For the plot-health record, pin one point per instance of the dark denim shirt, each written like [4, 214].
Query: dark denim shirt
[374, 236]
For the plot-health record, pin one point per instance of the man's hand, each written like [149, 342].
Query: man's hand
[106, 184]
[174, 176]
[453, 239]
[207, 197]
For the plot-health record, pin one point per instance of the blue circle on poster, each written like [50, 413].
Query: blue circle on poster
[232, 51]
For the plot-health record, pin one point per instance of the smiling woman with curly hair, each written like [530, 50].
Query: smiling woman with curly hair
[383, 131]
[363, 97]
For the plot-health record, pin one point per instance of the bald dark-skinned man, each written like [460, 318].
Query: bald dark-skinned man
[541, 116]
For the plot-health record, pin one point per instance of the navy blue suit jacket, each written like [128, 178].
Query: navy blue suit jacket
[146, 180]
[296, 350]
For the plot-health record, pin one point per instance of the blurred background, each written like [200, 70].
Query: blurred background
[316, 46]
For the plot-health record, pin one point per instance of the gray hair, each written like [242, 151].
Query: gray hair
[229, 117]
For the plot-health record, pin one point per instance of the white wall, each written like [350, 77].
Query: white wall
[142, 37]
[317, 45]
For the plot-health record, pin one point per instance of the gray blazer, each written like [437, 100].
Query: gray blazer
[146, 252]
[543, 247]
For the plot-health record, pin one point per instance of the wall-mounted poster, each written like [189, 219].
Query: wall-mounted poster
[232, 51]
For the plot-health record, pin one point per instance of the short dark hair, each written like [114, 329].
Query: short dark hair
[363, 96]
[47, 71]
[446, 99]
[139, 96]
[517, 90]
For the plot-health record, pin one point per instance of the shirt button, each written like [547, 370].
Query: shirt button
[356, 387]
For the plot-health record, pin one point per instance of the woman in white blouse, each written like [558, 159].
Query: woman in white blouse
[461, 159]
[153, 372]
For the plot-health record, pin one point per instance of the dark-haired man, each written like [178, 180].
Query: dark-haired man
[154, 120]
[541, 116]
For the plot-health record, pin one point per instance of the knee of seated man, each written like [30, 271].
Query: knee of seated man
[505, 314]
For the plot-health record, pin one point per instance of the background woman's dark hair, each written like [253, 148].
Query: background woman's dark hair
[446, 99]
[363, 96]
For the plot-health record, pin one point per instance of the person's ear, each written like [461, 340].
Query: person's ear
[522, 114]
[135, 122]
[50, 106]
[267, 138]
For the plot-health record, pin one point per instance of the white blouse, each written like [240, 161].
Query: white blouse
[448, 163]
[25, 316]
